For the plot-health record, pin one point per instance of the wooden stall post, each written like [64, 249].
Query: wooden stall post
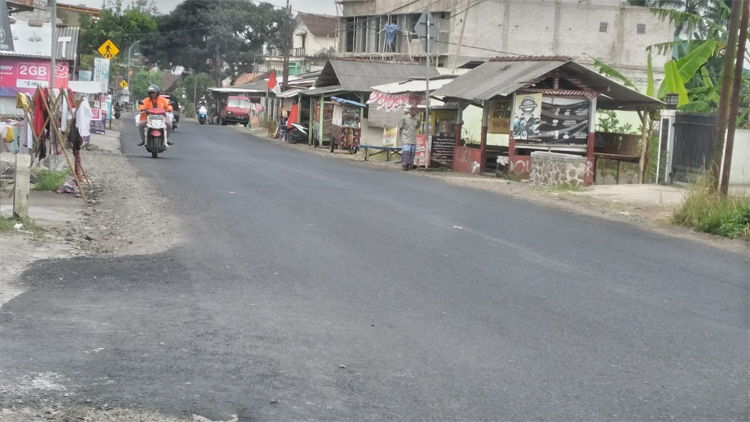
[459, 126]
[322, 121]
[310, 127]
[483, 142]
[590, 170]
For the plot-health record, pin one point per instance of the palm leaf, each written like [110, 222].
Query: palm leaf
[611, 72]
[673, 83]
[681, 18]
[695, 107]
[690, 64]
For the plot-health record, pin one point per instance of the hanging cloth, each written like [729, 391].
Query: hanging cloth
[40, 112]
[390, 33]
[84, 116]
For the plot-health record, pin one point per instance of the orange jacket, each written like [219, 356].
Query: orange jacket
[161, 103]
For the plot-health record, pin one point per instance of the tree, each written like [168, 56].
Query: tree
[691, 17]
[222, 38]
[140, 82]
[123, 27]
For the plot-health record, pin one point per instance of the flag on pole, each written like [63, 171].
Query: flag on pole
[273, 84]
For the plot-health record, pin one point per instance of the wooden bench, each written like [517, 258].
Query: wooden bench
[381, 149]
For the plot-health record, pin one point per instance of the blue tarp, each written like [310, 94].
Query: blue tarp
[343, 101]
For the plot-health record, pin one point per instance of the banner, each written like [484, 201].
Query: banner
[500, 118]
[565, 121]
[393, 102]
[422, 155]
[390, 137]
[84, 75]
[98, 119]
[6, 36]
[101, 73]
[24, 75]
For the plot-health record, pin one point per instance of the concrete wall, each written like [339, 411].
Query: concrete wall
[539, 27]
[740, 172]
[553, 169]
[314, 45]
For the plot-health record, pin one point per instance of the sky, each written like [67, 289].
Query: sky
[310, 6]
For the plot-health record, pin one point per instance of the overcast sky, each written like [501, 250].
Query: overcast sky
[311, 6]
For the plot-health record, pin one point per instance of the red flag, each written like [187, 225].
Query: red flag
[273, 84]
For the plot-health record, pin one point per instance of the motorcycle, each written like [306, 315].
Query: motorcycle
[172, 118]
[296, 133]
[156, 131]
[202, 115]
[117, 112]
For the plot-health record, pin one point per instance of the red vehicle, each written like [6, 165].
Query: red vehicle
[236, 110]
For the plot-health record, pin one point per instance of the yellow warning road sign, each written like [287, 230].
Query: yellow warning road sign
[108, 50]
[123, 84]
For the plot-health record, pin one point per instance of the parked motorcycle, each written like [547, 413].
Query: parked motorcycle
[296, 133]
[117, 110]
[202, 115]
[156, 131]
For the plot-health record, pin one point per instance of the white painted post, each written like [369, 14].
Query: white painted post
[22, 180]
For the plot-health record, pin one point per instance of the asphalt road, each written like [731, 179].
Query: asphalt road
[348, 293]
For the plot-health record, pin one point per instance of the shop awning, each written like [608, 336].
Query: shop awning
[349, 102]
[85, 87]
[290, 93]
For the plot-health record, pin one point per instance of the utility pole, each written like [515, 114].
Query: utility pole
[726, 93]
[287, 44]
[53, 24]
[428, 131]
[734, 106]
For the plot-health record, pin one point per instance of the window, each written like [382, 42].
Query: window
[603, 26]
[641, 28]
[238, 103]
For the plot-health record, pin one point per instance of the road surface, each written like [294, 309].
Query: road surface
[311, 288]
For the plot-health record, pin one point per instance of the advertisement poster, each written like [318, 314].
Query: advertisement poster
[565, 121]
[108, 102]
[6, 37]
[101, 73]
[84, 75]
[422, 156]
[97, 121]
[500, 118]
[444, 140]
[390, 137]
[24, 75]
[527, 115]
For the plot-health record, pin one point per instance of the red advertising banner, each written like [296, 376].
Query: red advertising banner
[19, 74]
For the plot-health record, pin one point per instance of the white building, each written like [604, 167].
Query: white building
[315, 38]
[608, 30]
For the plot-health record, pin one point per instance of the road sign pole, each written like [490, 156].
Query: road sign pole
[53, 24]
[428, 129]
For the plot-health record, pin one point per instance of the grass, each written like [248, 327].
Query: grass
[8, 224]
[49, 180]
[707, 211]
[565, 187]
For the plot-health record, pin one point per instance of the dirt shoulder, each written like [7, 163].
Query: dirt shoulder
[652, 215]
[112, 223]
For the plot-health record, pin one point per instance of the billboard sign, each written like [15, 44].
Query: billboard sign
[24, 75]
[101, 73]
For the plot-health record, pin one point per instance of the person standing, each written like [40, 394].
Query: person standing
[409, 126]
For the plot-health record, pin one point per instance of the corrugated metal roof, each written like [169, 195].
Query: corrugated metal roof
[412, 86]
[323, 90]
[359, 76]
[290, 93]
[501, 77]
[496, 78]
[34, 41]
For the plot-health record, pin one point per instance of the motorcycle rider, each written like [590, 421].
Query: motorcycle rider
[202, 102]
[153, 101]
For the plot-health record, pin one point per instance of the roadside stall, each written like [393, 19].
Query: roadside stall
[547, 107]
[346, 130]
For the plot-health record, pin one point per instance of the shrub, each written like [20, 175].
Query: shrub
[50, 180]
[708, 211]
